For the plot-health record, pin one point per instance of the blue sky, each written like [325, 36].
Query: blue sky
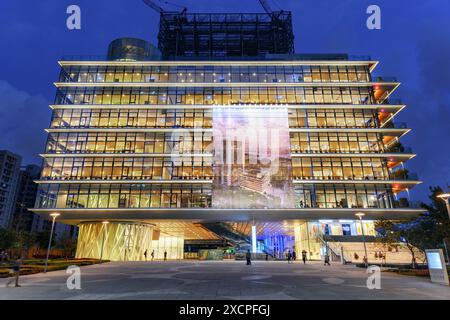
[413, 45]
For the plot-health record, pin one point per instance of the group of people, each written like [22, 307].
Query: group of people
[290, 256]
[152, 255]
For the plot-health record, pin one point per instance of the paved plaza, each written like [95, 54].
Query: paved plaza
[222, 280]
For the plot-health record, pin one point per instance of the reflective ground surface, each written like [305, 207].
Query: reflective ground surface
[222, 280]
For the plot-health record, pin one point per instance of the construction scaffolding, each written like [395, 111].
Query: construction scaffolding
[219, 35]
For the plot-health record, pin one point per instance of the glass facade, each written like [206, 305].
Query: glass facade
[335, 196]
[212, 74]
[140, 135]
[93, 196]
[123, 168]
[340, 168]
[333, 118]
[336, 142]
[131, 118]
[129, 142]
[222, 95]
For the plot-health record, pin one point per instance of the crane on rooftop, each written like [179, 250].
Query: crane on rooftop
[152, 4]
[268, 9]
[266, 6]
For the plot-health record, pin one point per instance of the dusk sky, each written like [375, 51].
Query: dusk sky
[412, 45]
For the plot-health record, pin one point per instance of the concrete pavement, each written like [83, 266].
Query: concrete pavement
[222, 280]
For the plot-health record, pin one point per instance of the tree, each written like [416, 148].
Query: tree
[427, 231]
[412, 235]
[393, 233]
[438, 218]
[7, 238]
[43, 237]
[68, 244]
[24, 240]
[387, 238]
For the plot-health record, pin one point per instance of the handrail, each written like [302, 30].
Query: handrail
[326, 243]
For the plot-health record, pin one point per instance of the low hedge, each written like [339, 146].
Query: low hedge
[33, 266]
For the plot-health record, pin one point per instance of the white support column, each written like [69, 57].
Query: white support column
[253, 238]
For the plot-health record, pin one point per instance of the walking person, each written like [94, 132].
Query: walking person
[304, 256]
[165, 255]
[327, 260]
[15, 270]
[153, 255]
[294, 255]
[267, 256]
[365, 260]
[145, 254]
[289, 256]
[248, 257]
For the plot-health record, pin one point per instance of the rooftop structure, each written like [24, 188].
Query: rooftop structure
[224, 35]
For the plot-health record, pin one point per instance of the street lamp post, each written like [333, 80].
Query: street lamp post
[446, 198]
[104, 223]
[360, 215]
[54, 216]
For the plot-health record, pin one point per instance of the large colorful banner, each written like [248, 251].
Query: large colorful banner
[252, 161]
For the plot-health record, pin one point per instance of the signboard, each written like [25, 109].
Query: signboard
[437, 266]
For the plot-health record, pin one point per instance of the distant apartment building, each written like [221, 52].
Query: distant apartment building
[9, 178]
[26, 196]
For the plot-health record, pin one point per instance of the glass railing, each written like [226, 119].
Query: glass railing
[268, 57]
[329, 151]
[86, 57]
[398, 149]
[395, 125]
[384, 79]
[393, 176]
[400, 177]
[174, 178]
[403, 174]
[393, 101]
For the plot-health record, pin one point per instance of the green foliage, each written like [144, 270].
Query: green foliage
[43, 237]
[24, 240]
[7, 238]
[396, 147]
[387, 235]
[68, 244]
[425, 232]
[437, 221]
[11, 239]
[31, 266]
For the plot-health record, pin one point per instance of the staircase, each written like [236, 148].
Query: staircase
[334, 251]
[239, 241]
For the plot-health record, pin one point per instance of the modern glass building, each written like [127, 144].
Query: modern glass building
[155, 154]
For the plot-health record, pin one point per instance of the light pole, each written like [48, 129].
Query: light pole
[360, 215]
[54, 216]
[446, 198]
[104, 223]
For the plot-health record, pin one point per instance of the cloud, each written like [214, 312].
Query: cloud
[22, 121]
